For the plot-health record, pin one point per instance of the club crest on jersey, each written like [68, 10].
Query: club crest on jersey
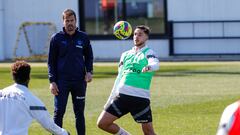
[79, 44]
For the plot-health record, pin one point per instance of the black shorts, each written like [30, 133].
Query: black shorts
[138, 107]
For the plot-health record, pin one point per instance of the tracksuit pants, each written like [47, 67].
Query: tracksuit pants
[78, 92]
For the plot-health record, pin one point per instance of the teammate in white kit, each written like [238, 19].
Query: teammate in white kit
[230, 120]
[131, 91]
[18, 106]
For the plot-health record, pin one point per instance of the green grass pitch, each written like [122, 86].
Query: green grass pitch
[187, 98]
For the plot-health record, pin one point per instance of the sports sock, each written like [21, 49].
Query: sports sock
[122, 132]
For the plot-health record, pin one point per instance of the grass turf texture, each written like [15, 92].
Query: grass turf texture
[187, 97]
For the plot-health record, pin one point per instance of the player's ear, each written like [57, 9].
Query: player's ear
[147, 37]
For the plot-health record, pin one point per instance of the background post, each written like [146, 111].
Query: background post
[1, 30]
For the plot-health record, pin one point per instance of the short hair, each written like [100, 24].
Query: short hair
[69, 12]
[21, 71]
[144, 28]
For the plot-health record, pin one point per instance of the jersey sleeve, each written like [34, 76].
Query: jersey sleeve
[39, 112]
[153, 61]
[114, 91]
[52, 60]
[88, 55]
[226, 119]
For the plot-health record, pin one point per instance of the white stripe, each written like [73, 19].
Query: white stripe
[78, 46]
[116, 109]
[142, 112]
[77, 97]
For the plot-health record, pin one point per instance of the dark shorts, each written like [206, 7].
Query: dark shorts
[138, 107]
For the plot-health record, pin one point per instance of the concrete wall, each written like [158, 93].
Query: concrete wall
[51, 11]
[207, 46]
[183, 10]
[205, 10]
[112, 49]
[15, 12]
[19, 11]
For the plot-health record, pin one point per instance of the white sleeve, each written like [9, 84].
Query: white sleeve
[153, 61]
[226, 119]
[120, 64]
[114, 91]
[39, 112]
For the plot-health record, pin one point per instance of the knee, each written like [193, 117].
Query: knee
[148, 131]
[102, 124]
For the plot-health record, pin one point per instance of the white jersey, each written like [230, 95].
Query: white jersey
[18, 107]
[229, 123]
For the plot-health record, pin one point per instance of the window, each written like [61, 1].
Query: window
[101, 15]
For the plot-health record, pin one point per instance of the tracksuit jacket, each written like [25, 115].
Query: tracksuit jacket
[70, 57]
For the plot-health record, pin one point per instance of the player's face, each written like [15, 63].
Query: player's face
[139, 37]
[69, 23]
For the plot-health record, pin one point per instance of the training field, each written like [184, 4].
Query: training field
[187, 97]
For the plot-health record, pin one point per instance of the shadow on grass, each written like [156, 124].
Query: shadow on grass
[105, 75]
[96, 75]
[39, 76]
[5, 71]
[191, 73]
[182, 73]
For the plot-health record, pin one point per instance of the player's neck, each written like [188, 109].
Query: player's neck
[70, 32]
[138, 47]
[24, 83]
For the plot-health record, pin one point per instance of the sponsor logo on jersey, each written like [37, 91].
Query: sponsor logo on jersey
[79, 44]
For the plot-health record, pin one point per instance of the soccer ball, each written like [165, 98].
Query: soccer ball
[122, 30]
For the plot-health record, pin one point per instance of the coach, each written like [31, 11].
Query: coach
[70, 66]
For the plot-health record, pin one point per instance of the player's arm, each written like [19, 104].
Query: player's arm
[88, 56]
[153, 62]
[52, 60]
[39, 112]
[114, 91]
[226, 119]
[120, 64]
[223, 128]
[52, 64]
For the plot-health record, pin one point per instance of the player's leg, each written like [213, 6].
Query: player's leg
[148, 128]
[111, 113]
[78, 92]
[105, 122]
[60, 102]
[142, 114]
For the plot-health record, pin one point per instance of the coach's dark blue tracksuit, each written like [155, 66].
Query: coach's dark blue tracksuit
[70, 57]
